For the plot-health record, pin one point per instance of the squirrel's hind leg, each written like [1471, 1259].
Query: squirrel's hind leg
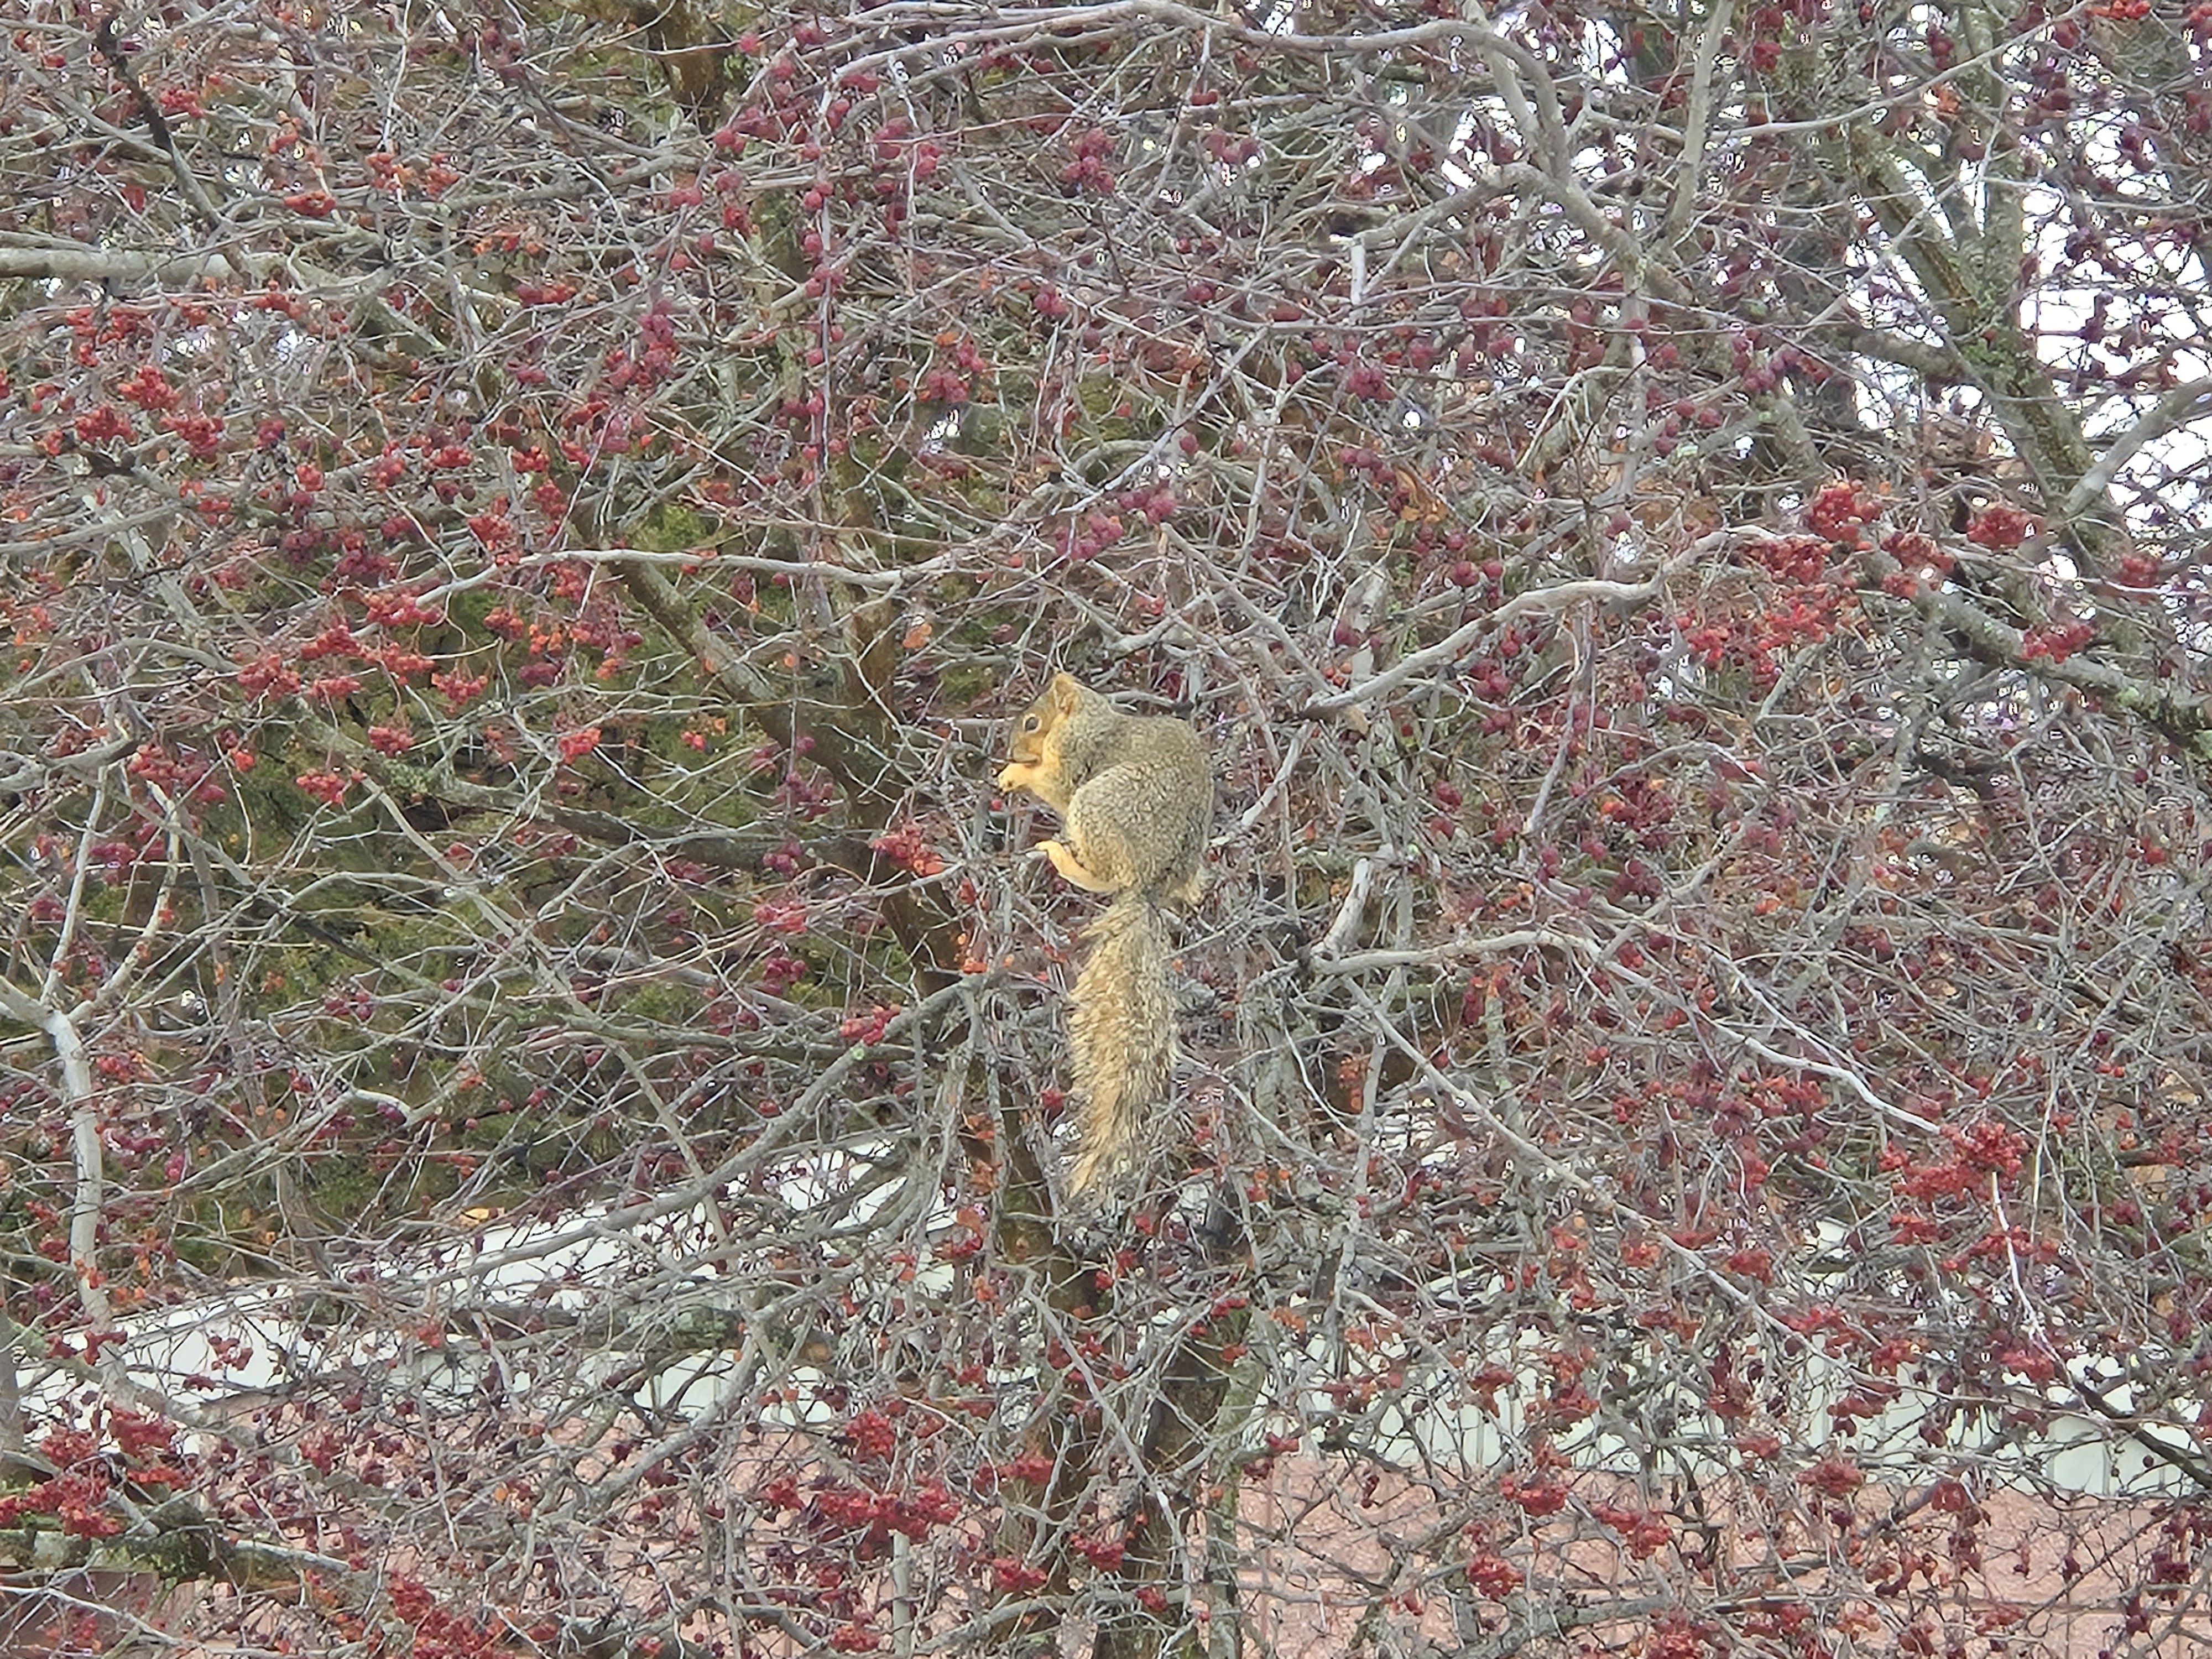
[1064, 860]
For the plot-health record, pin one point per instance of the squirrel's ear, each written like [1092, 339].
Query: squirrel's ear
[1066, 692]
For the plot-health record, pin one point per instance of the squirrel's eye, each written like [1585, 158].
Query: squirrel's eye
[1030, 723]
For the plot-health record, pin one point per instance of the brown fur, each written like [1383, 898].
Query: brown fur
[1136, 797]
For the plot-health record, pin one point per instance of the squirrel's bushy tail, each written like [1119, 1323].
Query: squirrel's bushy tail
[1121, 1031]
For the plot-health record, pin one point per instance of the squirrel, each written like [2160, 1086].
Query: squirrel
[1135, 797]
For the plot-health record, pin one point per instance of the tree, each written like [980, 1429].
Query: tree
[1684, 528]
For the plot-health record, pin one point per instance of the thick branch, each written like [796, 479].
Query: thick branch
[2180, 715]
[84, 1138]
